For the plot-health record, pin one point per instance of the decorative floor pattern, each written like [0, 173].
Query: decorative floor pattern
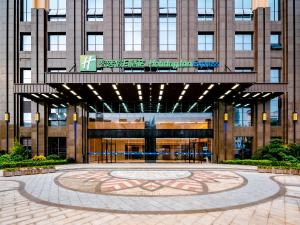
[150, 183]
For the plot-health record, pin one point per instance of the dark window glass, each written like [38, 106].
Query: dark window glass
[57, 117]
[275, 111]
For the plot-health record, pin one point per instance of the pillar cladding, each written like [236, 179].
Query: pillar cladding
[262, 43]
[263, 131]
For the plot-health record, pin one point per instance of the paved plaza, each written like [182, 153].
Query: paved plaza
[151, 194]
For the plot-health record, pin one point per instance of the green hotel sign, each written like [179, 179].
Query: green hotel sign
[89, 63]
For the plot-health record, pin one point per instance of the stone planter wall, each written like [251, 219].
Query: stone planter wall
[279, 171]
[27, 171]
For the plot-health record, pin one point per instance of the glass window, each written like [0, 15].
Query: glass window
[95, 42]
[133, 33]
[205, 10]
[95, 10]
[243, 42]
[133, 7]
[275, 109]
[242, 117]
[205, 41]
[57, 146]
[243, 69]
[25, 76]
[27, 143]
[167, 6]
[243, 147]
[57, 10]
[57, 117]
[167, 33]
[275, 9]
[275, 41]
[26, 10]
[275, 75]
[25, 42]
[57, 42]
[243, 10]
[25, 112]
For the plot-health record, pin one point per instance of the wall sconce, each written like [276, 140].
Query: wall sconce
[225, 117]
[7, 117]
[37, 117]
[295, 116]
[75, 117]
[264, 116]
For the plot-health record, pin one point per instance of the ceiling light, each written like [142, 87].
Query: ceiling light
[139, 87]
[227, 92]
[120, 97]
[210, 86]
[90, 87]
[183, 92]
[202, 96]
[257, 94]
[140, 92]
[34, 95]
[162, 86]
[207, 108]
[117, 92]
[160, 97]
[180, 97]
[175, 106]
[78, 97]
[54, 105]
[158, 106]
[193, 106]
[266, 95]
[205, 92]
[73, 92]
[245, 95]
[238, 105]
[140, 97]
[114, 87]
[55, 95]
[222, 97]
[62, 105]
[186, 86]
[246, 105]
[99, 97]
[66, 86]
[95, 92]
[161, 92]
[235, 86]
[46, 96]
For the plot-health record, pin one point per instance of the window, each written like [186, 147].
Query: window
[205, 41]
[57, 117]
[243, 69]
[57, 42]
[242, 116]
[134, 70]
[25, 76]
[25, 44]
[25, 112]
[275, 109]
[243, 10]
[57, 70]
[167, 6]
[57, 10]
[167, 25]
[95, 10]
[95, 42]
[243, 147]
[205, 10]
[205, 70]
[275, 75]
[243, 42]
[26, 10]
[57, 146]
[133, 7]
[167, 70]
[167, 33]
[275, 41]
[27, 143]
[275, 9]
[133, 33]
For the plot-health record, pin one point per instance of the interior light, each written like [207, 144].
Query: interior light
[160, 97]
[257, 94]
[235, 86]
[46, 96]
[34, 95]
[114, 87]
[245, 95]
[96, 93]
[140, 97]
[66, 86]
[78, 97]
[183, 92]
[161, 92]
[55, 95]
[222, 97]
[90, 87]
[186, 86]
[180, 97]
[266, 95]
[140, 92]
[227, 92]
[205, 92]
[99, 97]
[139, 87]
[120, 97]
[73, 92]
[162, 86]
[117, 92]
[210, 86]
[202, 96]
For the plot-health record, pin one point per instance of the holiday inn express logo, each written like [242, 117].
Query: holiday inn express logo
[88, 63]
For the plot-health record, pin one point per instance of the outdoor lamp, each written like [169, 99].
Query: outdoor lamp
[37, 117]
[264, 116]
[7, 117]
[225, 117]
[295, 116]
[75, 117]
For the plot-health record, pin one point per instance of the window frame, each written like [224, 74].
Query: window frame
[23, 47]
[244, 13]
[57, 14]
[25, 10]
[205, 13]
[243, 43]
[206, 44]
[275, 15]
[58, 35]
[95, 44]
[94, 14]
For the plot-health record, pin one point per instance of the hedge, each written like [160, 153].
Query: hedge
[31, 163]
[251, 162]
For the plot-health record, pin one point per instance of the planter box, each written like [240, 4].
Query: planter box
[8, 173]
[18, 173]
[52, 170]
[43, 171]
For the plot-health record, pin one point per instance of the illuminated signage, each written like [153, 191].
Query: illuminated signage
[89, 63]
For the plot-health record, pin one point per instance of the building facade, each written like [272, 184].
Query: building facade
[159, 80]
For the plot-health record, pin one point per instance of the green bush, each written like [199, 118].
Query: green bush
[270, 163]
[16, 158]
[5, 158]
[31, 163]
[53, 157]
[19, 150]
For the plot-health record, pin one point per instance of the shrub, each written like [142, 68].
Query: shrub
[31, 163]
[5, 158]
[53, 157]
[18, 149]
[39, 158]
[16, 158]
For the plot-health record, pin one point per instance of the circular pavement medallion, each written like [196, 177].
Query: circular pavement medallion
[150, 182]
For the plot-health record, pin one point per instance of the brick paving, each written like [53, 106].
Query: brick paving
[280, 209]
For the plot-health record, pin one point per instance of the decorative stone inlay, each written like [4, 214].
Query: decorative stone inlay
[150, 174]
